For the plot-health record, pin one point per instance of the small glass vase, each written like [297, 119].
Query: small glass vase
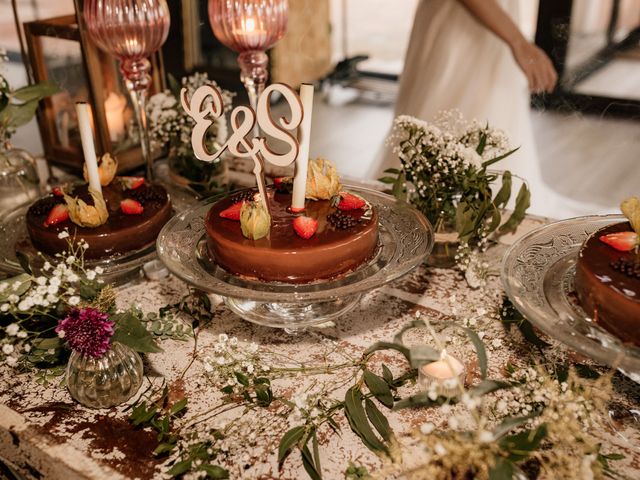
[445, 247]
[106, 381]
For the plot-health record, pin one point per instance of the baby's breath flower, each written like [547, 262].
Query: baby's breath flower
[12, 329]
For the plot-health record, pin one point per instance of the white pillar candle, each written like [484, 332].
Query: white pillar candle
[88, 147]
[304, 139]
[446, 373]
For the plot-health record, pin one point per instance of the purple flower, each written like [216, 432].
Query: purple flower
[87, 331]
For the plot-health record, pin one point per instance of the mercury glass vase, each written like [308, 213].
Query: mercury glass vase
[250, 27]
[131, 30]
[106, 381]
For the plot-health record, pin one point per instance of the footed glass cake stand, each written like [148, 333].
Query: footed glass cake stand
[405, 240]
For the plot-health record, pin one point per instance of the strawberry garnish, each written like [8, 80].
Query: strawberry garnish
[278, 181]
[132, 183]
[305, 227]
[349, 201]
[233, 212]
[57, 191]
[129, 206]
[623, 241]
[58, 214]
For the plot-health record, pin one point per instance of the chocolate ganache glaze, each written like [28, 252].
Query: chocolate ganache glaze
[607, 282]
[338, 246]
[120, 234]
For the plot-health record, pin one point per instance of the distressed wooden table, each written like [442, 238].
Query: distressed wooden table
[44, 434]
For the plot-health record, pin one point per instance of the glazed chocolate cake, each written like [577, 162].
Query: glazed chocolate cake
[343, 241]
[607, 282]
[122, 232]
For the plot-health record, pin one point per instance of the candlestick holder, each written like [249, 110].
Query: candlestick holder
[250, 27]
[131, 30]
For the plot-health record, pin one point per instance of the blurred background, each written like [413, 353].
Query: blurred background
[587, 133]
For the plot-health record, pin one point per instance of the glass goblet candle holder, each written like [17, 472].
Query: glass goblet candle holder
[131, 30]
[445, 376]
[250, 27]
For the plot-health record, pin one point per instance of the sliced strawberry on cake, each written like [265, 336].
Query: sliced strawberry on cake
[305, 227]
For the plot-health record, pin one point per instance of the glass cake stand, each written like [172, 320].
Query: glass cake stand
[405, 240]
[537, 274]
[16, 248]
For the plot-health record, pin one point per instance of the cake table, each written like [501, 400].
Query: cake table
[43, 434]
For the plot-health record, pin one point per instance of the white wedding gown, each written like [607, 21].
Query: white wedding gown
[454, 62]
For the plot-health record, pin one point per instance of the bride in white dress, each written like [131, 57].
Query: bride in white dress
[470, 55]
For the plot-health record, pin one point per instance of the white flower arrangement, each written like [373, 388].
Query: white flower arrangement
[446, 162]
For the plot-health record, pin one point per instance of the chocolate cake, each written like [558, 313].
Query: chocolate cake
[343, 241]
[607, 282]
[122, 233]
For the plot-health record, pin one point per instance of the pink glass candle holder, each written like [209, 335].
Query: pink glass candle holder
[250, 27]
[131, 30]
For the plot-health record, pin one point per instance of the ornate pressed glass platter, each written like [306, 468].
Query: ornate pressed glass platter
[15, 245]
[537, 274]
[405, 240]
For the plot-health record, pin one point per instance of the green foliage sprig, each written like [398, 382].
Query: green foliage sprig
[447, 163]
[17, 107]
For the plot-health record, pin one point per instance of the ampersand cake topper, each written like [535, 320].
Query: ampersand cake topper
[206, 105]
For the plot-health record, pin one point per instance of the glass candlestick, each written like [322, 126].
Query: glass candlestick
[131, 30]
[250, 27]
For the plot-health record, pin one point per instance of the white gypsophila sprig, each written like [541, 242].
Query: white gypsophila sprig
[171, 125]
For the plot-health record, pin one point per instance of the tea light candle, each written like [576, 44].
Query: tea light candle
[249, 32]
[446, 373]
[88, 147]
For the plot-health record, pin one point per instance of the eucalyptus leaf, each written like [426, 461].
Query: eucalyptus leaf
[214, 472]
[489, 386]
[520, 445]
[523, 200]
[481, 143]
[387, 375]
[504, 194]
[421, 354]
[481, 351]
[178, 406]
[35, 92]
[389, 346]
[358, 421]
[509, 423]
[378, 420]
[421, 400]
[18, 115]
[130, 331]
[379, 387]
[501, 470]
[309, 466]
[387, 180]
[494, 160]
[288, 441]
[180, 468]
[393, 171]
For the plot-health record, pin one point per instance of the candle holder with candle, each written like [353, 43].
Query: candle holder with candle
[250, 27]
[445, 376]
[87, 75]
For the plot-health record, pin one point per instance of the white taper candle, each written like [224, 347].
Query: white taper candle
[304, 139]
[88, 147]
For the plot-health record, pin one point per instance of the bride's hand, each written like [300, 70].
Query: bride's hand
[536, 66]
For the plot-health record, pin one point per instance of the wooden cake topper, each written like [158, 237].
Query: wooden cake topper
[206, 105]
